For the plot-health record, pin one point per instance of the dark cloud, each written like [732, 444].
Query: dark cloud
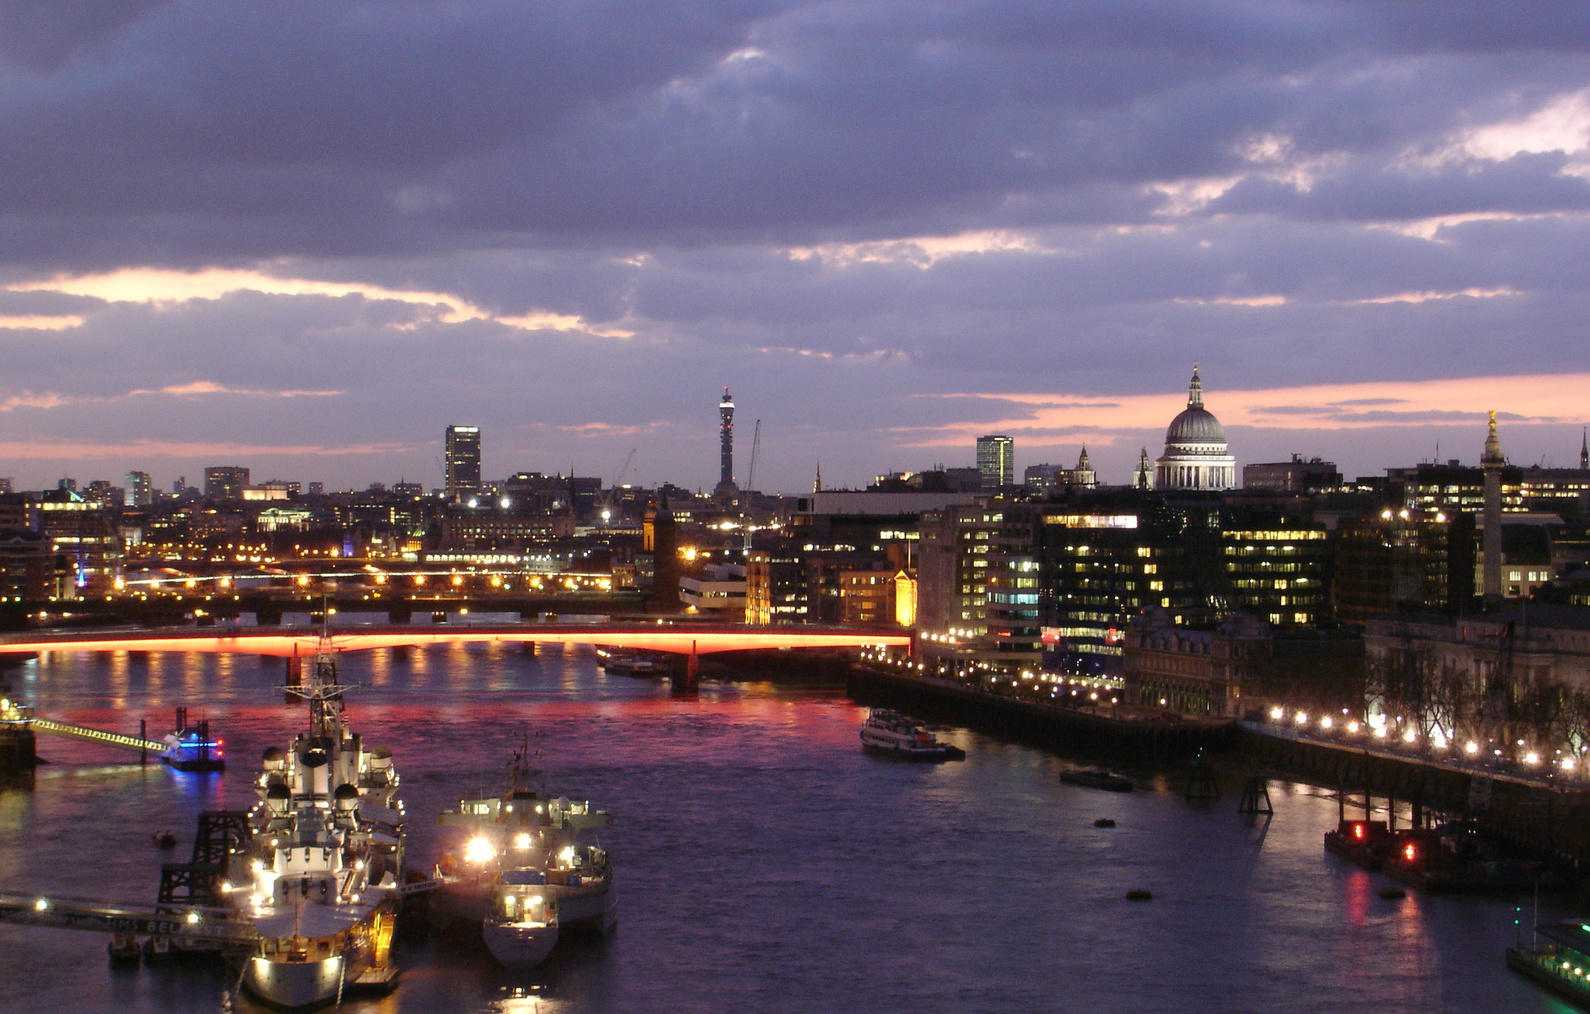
[1148, 182]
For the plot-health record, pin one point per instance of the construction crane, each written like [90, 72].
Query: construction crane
[612, 491]
[750, 484]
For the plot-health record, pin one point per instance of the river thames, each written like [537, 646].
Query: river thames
[765, 863]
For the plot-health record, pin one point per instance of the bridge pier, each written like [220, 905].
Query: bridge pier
[689, 681]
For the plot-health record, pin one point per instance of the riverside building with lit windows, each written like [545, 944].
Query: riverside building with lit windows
[1408, 558]
[1279, 571]
[1105, 559]
[978, 587]
[1242, 664]
[952, 582]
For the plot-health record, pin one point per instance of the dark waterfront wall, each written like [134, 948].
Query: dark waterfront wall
[1549, 824]
[1053, 727]
[17, 751]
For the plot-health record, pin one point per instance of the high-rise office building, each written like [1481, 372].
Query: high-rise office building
[225, 482]
[138, 490]
[996, 461]
[463, 462]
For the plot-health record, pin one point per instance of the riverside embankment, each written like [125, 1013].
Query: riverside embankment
[1546, 818]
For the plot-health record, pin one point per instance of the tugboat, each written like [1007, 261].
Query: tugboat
[523, 873]
[889, 732]
[319, 879]
[633, 663]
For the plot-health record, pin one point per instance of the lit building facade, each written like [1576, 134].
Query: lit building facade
[1106, 561]
[225, 482]
[138, 490]
[462, 462]
[1278, 569]
[83, 532]
[1408, 558]
[978, 586]
[996, 461]
[719, 590]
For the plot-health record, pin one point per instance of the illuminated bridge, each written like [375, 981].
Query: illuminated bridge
[683, 639]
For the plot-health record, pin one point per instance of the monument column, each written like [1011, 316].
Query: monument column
[1491, 545]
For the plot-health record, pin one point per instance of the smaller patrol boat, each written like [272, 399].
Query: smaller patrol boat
[1097, 778]
[890, 733]
[524, 874]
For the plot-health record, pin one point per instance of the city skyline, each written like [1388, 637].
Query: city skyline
[1554, 458]
[306, 242]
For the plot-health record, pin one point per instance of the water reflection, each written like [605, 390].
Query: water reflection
[765, 862]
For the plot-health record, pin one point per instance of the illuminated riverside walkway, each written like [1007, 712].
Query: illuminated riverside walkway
[287, 641]
[83, 732]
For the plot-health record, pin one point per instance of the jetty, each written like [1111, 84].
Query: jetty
[189, 748]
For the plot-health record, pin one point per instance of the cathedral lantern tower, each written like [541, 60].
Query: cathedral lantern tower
[1195, 448]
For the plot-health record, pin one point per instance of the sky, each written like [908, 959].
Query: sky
[305, 237]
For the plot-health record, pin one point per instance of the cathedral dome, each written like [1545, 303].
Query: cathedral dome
[1195, 425]
[1195, 448]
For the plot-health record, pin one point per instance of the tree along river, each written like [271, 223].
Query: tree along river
[765, 863]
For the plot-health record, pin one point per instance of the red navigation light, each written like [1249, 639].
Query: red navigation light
[1409, 852]
[1358, 831]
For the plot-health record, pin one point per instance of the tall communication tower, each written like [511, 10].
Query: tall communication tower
[726, 438]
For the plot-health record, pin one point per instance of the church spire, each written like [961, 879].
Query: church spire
[1195, 390]
[1584, 449]
[1144, 477]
